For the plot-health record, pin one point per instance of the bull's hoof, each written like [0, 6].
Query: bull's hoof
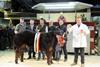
[43, 58]
[49, 63]
[21, 60]
[16, 62]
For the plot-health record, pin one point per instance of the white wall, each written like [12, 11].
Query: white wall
[70, 17]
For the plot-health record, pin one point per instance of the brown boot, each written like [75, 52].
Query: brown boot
[82, 65]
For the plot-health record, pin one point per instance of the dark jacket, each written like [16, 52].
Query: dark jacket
[29, 28]
[41, 29]
[62, 30]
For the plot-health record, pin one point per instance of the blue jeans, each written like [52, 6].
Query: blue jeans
[57, 55]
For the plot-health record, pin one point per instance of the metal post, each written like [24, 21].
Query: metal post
[89, 11]
[49, 15]
[75, 14]
[43, 12]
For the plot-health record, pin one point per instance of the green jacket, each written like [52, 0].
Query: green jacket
[20, 28]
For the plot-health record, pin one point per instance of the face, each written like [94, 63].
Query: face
[21, 20]
[31, 22]
[61, 22]
[78, 21]
[41, 22]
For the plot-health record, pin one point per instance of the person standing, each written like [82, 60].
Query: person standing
[79, 33]
[62, 29]
[31, 27]
[42, 28]
[21, 26]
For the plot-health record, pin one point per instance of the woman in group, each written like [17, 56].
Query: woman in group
[42, 28]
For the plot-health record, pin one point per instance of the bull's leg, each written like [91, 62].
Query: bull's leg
[16, 57]
[22, 54]
[47, 53]
[17, 54]
[49, 56]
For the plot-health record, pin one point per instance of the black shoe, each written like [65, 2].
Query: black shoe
[43, 58]
[29, 58]
[55, 59]
[38, 59]
[34, 57]
[65, 60]
[73, 64]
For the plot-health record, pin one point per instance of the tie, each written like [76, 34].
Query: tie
[78, 25]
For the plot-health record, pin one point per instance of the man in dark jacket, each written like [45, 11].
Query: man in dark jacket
[31, 27]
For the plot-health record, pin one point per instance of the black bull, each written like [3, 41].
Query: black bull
[26, 38]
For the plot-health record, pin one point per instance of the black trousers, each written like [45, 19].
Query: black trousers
[30, 51]
[41, 53]
[76, 50]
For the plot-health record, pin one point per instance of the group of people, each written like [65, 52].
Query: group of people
[42, 27]
[79, 31]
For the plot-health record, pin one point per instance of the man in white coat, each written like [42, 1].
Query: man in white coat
[79, 32]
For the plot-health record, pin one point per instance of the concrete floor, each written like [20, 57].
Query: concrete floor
[7, 60]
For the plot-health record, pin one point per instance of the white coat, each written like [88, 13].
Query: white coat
[79, 39]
